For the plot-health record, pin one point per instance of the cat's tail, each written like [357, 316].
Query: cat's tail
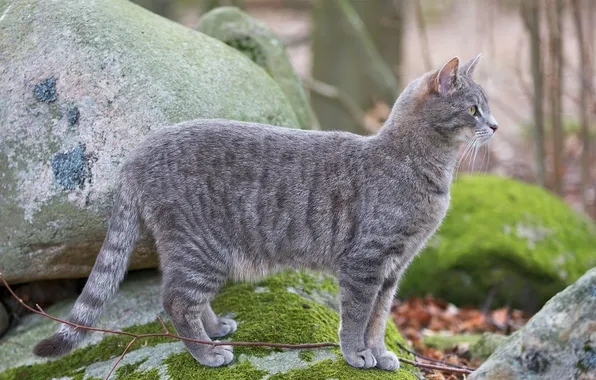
[105, 278]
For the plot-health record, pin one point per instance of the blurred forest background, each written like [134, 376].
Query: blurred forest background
[355, 56]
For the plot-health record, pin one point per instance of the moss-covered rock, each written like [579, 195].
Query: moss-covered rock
[291, 307]
[443, 341]
[255, 40]
[82, 83]
[501, 234]
[487, 344]
[559, 342]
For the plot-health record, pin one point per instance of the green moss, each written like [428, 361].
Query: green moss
[80, 375]
[392, 336]
[183, 366]
[503, 234]
[486, 344]
[339, 369]
[444, 341]
[151, 374]
[309, 282]
[306, 355]
[69, 365]
[249, 47]
[128, 369]
[277, 315]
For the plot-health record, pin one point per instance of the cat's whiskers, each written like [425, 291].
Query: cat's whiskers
[470, 151]
[481, 139]
[476, 146]
[487, 156]
[461, 157]
[464, 154]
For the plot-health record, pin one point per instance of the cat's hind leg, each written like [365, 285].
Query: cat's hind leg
[217, 326]
[190, 282]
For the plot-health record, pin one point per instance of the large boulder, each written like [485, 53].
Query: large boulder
[558, 343]
[82, 82]
[255, 40]
[513, 240]
[292, 307]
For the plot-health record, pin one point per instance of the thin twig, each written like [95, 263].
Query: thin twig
[431, 359]
[121, 357]
[165, 328]
[168, 334]
[436, 367]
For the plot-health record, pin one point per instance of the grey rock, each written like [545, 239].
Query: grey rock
[558, 343]
[137, 305]
[487, 344]
[255, 40]
[82, 83]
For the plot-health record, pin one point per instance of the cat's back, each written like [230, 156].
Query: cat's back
[213, 136]
[239, 153]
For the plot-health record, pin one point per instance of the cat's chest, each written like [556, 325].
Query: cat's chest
[431, 211]
[421, 216]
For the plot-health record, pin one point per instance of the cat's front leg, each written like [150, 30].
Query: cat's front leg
[375, 332]
[358, 286]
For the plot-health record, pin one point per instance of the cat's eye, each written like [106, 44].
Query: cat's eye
[473, 110]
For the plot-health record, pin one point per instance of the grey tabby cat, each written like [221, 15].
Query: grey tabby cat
[227, 199]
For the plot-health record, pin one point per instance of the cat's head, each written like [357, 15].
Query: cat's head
[455, 105]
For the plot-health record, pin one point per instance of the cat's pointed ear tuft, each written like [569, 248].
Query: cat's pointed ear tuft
[445, 79]
[468, 68]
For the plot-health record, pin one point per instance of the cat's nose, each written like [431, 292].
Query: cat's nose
[492, 123]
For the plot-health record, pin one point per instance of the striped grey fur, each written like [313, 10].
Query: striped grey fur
[227, 199]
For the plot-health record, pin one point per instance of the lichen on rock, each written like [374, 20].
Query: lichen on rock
[277, 315]
[45, 91]
[514, 238]
[72, 115]
[71, 168]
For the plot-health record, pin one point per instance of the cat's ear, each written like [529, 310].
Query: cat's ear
[468, 68]
[445, 79]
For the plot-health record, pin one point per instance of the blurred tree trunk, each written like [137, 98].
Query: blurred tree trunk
[421, 22]
[555, 29]
[357, 48]
[530, 11]
[585, 79]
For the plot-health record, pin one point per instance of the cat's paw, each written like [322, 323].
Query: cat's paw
[360, 359]
[215, 356]
[387, 360]
[224, 327]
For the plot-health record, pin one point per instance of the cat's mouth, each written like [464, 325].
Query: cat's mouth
[483, 137]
